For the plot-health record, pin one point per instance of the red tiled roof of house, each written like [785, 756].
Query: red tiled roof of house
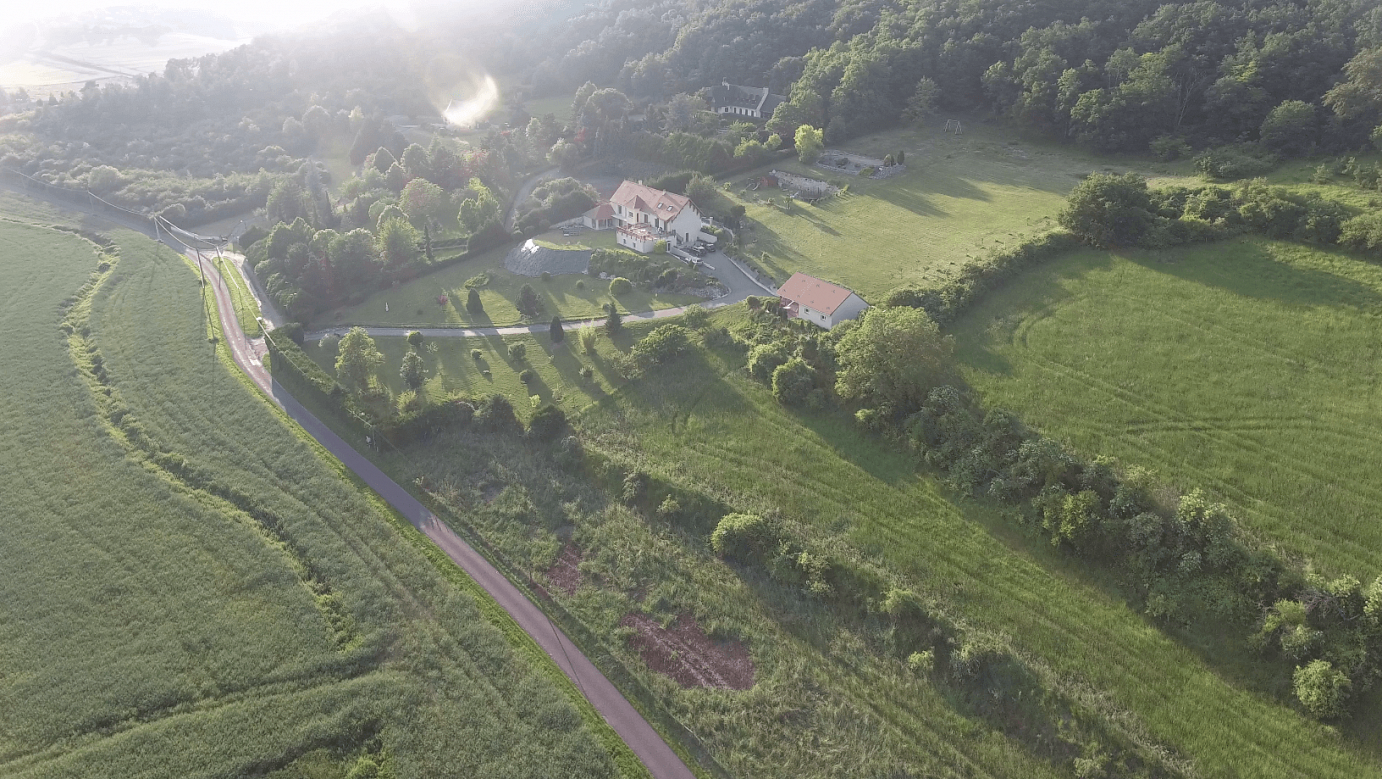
[667, 205]
[813, 293]
[601, 212]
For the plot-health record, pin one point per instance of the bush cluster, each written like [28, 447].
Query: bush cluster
[1186, 563]
[980, 669]
[1107, 210]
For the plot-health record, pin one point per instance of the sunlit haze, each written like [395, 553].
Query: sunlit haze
[262, 14]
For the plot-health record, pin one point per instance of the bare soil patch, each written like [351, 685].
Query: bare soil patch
[565, 574]
[686, 654]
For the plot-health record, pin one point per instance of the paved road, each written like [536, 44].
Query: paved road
[645, 742]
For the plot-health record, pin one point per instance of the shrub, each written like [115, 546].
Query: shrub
[1233, 162]
[527, 376]
[1109, 210]
[764, 359]
[620, 286]
[546, 276]
[793, 382]
[548, 423]
[669, 509]
[746, 538]
[555, 330]
[614, 321]
[1290, 128]
[472, 302]
[922, 662]
[415, 339]
[660, 247]
[496, 413]
[586, 337]
[1169, 147]
[1322, 690]
[635, 488]
[518, 351]
[664, 343]
[587, 373]
[528, 303]
[695, 317]
[476, 354]
[1363, 233]
[580, 283]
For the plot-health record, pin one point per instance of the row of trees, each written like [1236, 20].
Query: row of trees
[1186, 561]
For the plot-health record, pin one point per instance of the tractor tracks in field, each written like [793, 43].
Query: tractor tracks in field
[1232, 435]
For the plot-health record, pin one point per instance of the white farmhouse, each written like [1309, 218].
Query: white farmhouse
[642, 216]
[819, 302]
[753, 102]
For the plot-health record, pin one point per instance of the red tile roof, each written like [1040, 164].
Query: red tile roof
[813, 293]
[634, 196]
[601, 212]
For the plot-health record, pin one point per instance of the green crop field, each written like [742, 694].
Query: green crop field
[191, 590]
[702, 423]
[961, 197]
[572, 296]
[1249, 368]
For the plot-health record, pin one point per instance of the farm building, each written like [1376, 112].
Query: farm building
[753, 102]
[819, 302]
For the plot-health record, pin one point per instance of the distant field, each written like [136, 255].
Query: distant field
[962, 196]
[1251, 368]
[230, 605]
[560, 106]
[572, 296]
[68, 67]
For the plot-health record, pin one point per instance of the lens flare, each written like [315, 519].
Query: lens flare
[467, 111]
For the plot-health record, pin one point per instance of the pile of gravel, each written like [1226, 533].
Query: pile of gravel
[529, 259]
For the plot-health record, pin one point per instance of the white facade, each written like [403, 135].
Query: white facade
[640, 239]
[850, 308]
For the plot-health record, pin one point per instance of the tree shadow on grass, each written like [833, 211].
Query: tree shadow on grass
[1248, 267]
[996, 322]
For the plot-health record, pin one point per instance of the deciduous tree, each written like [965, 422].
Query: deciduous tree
[892, 357]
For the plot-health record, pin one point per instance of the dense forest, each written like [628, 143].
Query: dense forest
[1114, 75]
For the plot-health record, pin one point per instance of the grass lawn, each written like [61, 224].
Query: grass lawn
[233, 602]
[1250, 368]
[572, 296]
[961, 197]
[702, 423]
